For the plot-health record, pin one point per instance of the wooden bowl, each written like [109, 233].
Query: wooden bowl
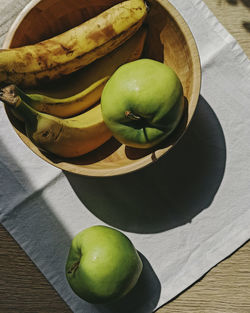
[169, 40]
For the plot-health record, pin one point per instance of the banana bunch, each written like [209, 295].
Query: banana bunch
[72, 126]
[57, 121]
[69, 137]
[70, 51]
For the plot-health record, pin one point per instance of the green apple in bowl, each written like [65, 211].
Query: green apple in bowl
[102, 265]
[142, 103]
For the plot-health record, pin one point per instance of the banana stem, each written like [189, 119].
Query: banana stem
[9, 96]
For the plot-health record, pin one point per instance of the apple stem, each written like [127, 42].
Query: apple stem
[132, 116]
[73, 267]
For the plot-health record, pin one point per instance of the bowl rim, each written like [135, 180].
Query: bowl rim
[148, 159]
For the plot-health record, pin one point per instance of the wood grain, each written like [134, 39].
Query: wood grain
[22, 286]
[225, 289]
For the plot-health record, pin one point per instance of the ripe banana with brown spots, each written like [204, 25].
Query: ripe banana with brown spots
[68, 52]
[70, 85]
[68, 138]
[91, 81]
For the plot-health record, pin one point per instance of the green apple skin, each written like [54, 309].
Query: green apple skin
[153, 95]
[103, 264]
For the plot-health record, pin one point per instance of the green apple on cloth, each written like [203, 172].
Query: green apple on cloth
[102, 265]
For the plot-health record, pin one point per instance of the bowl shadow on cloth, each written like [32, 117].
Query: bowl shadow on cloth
[142, 298]
[168, 193]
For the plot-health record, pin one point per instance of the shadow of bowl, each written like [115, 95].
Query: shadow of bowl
[170, 192]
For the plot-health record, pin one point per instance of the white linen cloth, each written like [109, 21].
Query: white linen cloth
[184, 214]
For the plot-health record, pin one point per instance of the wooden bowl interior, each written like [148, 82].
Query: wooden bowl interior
[169, 40]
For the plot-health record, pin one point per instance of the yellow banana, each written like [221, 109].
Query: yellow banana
[65, 53]
[70, 137]
[72, 84]
[69, 106]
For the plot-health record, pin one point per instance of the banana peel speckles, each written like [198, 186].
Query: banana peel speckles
[74, 83]
[61, 55]
[92, 78]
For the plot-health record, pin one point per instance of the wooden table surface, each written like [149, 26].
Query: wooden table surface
[224, 289]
